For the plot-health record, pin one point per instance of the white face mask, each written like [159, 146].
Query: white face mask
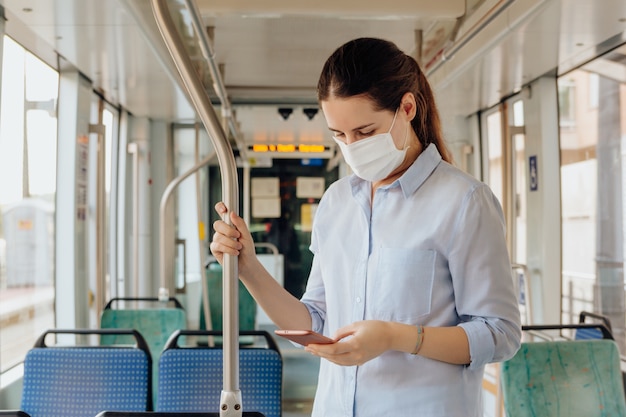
[374, 158]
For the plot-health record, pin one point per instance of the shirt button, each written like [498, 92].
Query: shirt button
[358, 299]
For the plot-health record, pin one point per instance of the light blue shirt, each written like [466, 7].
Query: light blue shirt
[430, 251]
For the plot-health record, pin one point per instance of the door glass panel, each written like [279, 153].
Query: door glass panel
[495, 173]
[520, 184]
[520, 198]
[109, 120]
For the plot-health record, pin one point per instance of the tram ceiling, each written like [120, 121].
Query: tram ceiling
[527, 40]
[271, 52]
[271, 55]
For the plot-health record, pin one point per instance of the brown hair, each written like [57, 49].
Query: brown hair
[379, 70]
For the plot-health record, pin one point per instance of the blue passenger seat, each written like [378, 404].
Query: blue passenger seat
[155, 414]
[586, 333]
[191, 378]
[80, 381]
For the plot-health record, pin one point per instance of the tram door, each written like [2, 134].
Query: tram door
[505, 170]
[509, 174]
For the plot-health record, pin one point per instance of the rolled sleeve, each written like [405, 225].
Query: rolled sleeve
[481, 343]
[491, 340]
[314, 298]
[317, 323]
[482, 278]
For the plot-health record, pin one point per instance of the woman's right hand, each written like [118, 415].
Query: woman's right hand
[234, 240]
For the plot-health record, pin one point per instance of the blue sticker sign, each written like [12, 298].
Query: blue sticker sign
[533, 176]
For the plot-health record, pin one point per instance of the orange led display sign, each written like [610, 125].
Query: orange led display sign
[311, 148]
[288, 148]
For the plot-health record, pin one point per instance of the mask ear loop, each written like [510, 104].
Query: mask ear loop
[406, 135]
[393, 122]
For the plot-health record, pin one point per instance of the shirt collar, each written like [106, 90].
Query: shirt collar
[421, 169]
[413, 178]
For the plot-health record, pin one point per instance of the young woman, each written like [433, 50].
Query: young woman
[411, 273]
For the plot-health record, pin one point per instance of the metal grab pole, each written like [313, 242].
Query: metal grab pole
[133, 148]
[164, 289]
[218, 83]
[231, 400]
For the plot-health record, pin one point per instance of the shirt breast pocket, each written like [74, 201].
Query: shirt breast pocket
[402, 288]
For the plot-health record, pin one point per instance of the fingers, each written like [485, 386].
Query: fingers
[221, 209]
[226, 235]
[328, 349]
[345, 331]
[229, 239]
[360, 342]
[339, 353]
[236, 220]
[242, 227]
[219, 248]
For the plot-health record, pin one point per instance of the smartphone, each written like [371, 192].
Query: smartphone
[304, 337]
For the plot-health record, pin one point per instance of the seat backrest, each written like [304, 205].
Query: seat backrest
[247, 305]
[191, 379]
[588, 333]
[81, 381]
[156, 325]
[564, 379]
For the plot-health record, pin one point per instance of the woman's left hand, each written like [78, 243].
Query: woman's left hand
[358, 343]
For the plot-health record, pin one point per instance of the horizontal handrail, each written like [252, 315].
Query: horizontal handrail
[606, 333]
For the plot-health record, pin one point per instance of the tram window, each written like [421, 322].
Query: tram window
[28, 143]
[592, 105]
[518, 113]
[567, 103]
[594, 91]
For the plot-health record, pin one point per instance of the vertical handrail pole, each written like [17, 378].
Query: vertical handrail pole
[165, 198]
[133, 149]
[230, 402]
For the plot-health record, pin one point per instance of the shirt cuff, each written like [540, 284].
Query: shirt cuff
[317, 324]
[481, 344]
